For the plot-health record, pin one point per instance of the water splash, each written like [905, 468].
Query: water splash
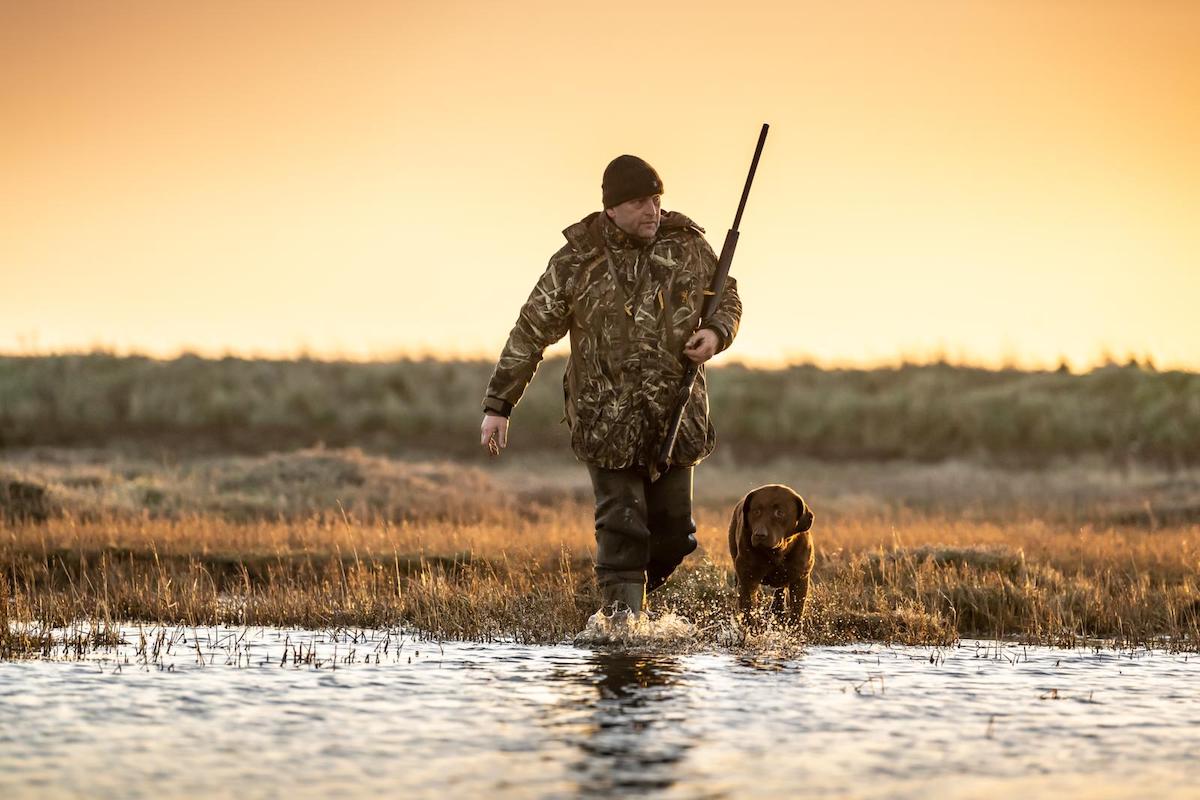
[764, 641]
[672, 631]
[625, 629]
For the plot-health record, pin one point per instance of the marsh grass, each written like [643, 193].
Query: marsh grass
[528, 579]
[320, 538]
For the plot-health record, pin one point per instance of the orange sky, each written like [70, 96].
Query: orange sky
[990, 180]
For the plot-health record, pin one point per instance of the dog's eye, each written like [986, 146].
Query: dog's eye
[779, 512]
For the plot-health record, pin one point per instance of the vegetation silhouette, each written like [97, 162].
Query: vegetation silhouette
[1123, 414]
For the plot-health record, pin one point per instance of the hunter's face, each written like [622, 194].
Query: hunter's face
[638, 217]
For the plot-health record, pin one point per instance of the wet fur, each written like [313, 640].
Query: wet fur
[781, 557]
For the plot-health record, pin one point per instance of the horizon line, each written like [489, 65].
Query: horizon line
[932, 358]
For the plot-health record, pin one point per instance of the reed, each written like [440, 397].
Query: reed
[918, 580]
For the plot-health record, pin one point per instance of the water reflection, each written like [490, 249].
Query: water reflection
[627, 716]
[472, 720]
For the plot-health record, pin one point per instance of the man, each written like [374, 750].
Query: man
[628, 287]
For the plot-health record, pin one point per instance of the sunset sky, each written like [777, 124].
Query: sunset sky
[992, 181]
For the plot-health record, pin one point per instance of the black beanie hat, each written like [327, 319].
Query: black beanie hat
[627, 178]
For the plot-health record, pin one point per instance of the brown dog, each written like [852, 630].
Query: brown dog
[770, 542]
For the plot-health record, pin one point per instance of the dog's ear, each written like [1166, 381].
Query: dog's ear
[737, 522]
[804, 515]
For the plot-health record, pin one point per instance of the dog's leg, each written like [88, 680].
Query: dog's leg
[797, 595]
[746, 591]
[777, 605]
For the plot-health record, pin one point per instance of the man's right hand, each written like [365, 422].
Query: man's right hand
[494, 433]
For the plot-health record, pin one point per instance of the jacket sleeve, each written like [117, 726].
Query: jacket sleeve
[544, 319]
[725, 320]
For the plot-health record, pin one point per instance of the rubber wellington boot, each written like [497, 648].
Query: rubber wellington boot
[623, 597]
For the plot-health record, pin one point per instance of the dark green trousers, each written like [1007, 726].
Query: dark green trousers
[643, 530]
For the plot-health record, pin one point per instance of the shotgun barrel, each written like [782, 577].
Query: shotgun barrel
[711, 301]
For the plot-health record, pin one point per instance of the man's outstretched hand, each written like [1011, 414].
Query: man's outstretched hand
[702, 346]
[494, 433]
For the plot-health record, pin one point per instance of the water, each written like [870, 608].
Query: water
[272, 713]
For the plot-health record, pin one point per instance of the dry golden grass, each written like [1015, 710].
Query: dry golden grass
[526, 574]
[319, 538]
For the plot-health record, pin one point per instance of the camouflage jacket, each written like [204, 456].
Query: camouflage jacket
[629, 308]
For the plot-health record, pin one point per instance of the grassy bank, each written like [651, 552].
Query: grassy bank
[1120, 414]
[925, 582]
[351, 485]
[913, 553]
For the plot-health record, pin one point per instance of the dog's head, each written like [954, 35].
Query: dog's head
[772, 513]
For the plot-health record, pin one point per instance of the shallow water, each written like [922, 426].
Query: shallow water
[271, 713]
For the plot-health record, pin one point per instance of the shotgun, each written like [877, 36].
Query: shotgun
[711, 301]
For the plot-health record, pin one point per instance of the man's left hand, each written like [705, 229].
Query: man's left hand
[702, 346]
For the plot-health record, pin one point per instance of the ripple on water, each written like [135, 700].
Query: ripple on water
[369, 712]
